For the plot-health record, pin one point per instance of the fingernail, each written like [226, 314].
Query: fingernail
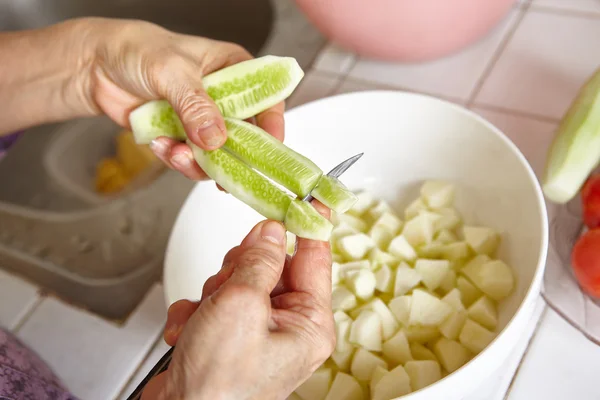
[182, 160]
[158, 147]
[273, 232]
[173, 331]
[211, 136]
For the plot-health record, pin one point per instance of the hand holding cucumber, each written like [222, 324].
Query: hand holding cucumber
[263, 326]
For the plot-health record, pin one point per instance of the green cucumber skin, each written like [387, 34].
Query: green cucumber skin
[243, 182]
[272, 158]
[333, 194]
[304, 221]
[575, 150]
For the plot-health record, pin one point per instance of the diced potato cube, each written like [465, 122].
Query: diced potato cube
[366, 331]
[389, 222]
[290, 243]
[317, 386]
[384, 279]
[421, 334]
[394, 384]
[345, 387]
[397, 349]
[364, 364]
[446, 237]
[437, 194]
[379, 257]
[400, 248]
[457, 251]
[469, 293]
[379, 208]
[484, 312]
[432, 272]
[335, 273]
[452, 326]
[482, 239]
[348, 267]
[337, 258]
[420, 352]
[362, 283]
[389, 325]
[294, 396]
[475, 337]
[406, 279]
[423, 373]
[378, 373]
[427, 310]
[356, 223]
[449, 219]
[342, 359]
[493, 278]
[400, 307]
[355, 247]
[451, 354]
[343, 324]
[448, 283]
[364, 201]
[414, 209]
[342, 298]
[454, 299]
[432, 250]
[420, 229]
[381, 237]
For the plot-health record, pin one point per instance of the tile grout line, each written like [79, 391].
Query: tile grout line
[498, 53]
[516, 113]
[344, 77]
[543, 9]
[28, 313]
[139, 366]
[526, 352]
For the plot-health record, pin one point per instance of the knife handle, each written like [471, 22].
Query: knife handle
[161, 366]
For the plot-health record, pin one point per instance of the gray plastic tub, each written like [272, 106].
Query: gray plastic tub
[97, 252]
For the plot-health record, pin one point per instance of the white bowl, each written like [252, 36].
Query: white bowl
[406, 138]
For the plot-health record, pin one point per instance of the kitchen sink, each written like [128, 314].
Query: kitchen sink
[103, 253]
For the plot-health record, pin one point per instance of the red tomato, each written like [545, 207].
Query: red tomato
[585, 260]
[590, 197]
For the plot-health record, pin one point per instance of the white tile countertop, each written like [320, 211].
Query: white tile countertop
[521, 77]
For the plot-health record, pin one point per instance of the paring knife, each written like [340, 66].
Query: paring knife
[163, 364]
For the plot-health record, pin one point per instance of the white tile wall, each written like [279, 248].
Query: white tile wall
[590, 6]
[335, 60]
[17, 297]
[159, 350]
[92, 356]
[545, 63]
[454, 76]
[313, 86]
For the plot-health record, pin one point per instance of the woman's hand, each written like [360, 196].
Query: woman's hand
[92, 66]
[263, 326]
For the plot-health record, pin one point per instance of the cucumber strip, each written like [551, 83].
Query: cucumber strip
[333, 194]
[153, 119]
[303, 220]
[245, 89]
[240, 91]
[243, 182]
[575, 150]
[271, 158]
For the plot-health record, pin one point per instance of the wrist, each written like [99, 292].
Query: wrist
[47, 77]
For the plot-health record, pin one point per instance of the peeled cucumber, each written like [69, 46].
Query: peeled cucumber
[272, 158]
[240, 91]
[303, 220]
[575, 151]
[333, 194]
[243, 182]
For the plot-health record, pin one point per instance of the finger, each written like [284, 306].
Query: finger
[272, 121]
[181, 84]
[182, 159]
[216, 281]
[260, 263]
[161, 147]
[282, 286]
[221, 188]
[310, 270]
[177, 316]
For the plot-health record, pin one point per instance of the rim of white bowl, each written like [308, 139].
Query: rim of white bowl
[535, 285]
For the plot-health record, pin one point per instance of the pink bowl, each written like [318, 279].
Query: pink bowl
[405, 30]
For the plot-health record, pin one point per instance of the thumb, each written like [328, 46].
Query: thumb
[181, 84]
[262, 257]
